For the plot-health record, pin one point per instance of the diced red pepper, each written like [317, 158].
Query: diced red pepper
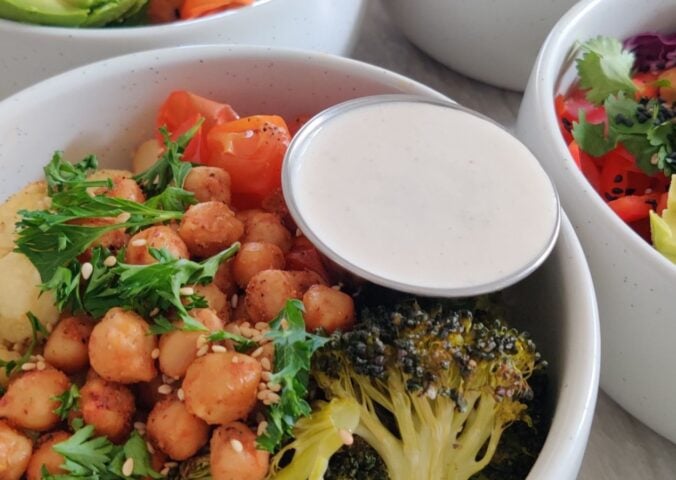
[632, 208]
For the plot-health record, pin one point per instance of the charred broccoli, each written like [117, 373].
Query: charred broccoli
[430, 387]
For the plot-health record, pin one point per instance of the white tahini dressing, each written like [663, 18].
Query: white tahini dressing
[423, 195]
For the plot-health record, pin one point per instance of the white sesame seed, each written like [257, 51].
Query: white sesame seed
[257, 352]
[167, 379]
[180, 394]
[648, 191]
[28, 366]
[272, 397]
[155, 354]
[346, 436]
[203, 351]
[275, 387]
[110, 261]
[298, 232]
[41, 365]
[170, 464]
[265, 363]
[165, 471]
[234, 300]
[128, 467]
[140, 426]
[186, 291]
[164, 389]
[337, 287]
[123, 217]
[262, 326]
[262, 395]
[150, 448]
[202, 340]
[262, 386]
[266, 376]
[284, 324]
[139, 242]
[245, 325]
[86, 270]
[218, 349]
[154, 311]
[236, 445]
[654, 160]
[39, 358]
[262, 427]
[432, 392]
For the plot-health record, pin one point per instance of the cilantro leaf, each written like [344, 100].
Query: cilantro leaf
[68, 402]
[591, 137]
[136, 449]
[605, 69]
[37, 330]
[242, 344]
[293, 352]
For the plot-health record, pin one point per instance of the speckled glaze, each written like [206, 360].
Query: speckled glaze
[109, 108]
[635, 285]
[30, 53]
[495, 41]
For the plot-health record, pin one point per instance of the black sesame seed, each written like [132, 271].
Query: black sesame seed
[617, 191]
[618, 178]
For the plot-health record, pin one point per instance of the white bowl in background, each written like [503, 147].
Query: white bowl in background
[635, 285]
[30, 53]
[109, 107]
[495, 41]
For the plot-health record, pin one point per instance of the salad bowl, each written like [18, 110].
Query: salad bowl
[29, 53]
[633, 281]
[556, 304]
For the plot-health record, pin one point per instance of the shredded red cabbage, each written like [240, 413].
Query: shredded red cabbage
[654, 51]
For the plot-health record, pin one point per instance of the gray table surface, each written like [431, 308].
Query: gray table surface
[619, 447]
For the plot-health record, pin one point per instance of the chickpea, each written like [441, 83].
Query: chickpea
[209, 227]
[44, 455]
[216, 300]
[245, 215]
[234, 454]
[66, 347]
[127, 189]
[328, 308]
[305, 279]
[230, 398]
[15, 453]
[160, 236]
[120, 348]
[108, 406]
[267, 227]
[29, 402]
[208, 184]
[223, 279]
[176, 431]
[146, 155]
[147, 394]
[254, 257]
[179, 348]
[112, 240]
[267, 294]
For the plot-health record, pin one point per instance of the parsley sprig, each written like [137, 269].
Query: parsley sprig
[293, 352]
[68, 402]
[37, 330]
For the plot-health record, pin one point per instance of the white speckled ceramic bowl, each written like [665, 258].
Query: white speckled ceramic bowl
[495, 41]
[109, 108]
[635, 285]
[30, 53]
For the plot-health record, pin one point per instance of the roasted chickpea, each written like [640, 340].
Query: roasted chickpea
[44, 455]
[108, 406]
[230, 398]
[120, 348]
[15, 453]
[267, 294]
[254, 257]
[245, 215]
[146, 155]
[208, 184]
[66, 347]
[305, 279]
[209, 227]
[179, 348]
[234, 454]
[113, 240]
[160, 236]
[223, 279]
[216, 300]
[147, 394]
[328, 308]
[266, 227]
[176, 431]
[127, 189]
[29, 402]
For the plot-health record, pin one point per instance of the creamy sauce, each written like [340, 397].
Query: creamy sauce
[422, 196]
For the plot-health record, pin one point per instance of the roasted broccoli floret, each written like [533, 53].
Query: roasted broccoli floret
[196, 468]
[434, 384]
[358, 460]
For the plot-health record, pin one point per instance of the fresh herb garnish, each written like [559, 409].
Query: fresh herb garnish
[62, 175]
[68, 402]
[293, 352]
[242, 344]
[605, 69]
[37, 329]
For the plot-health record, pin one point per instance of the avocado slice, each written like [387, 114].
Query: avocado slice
[69, 13]
[663, 229]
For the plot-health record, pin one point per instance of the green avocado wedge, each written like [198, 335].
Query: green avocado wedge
[70, 13]
[663, 229]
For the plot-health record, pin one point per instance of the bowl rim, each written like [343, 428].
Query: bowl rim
[545, 78]
[583, 367]
[13, 27]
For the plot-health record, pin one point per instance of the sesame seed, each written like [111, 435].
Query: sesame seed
[39, 358]
[234, 300]
[86, 270]
[265, 363]
[266, 376]
[164, 389]
[245, 325]
[262, 326]
[123, 217]
[648, 191]
[263, 394]
[155, 354]
[41, 365]
[110, 261]
[235, 360]
[49, 327]
[298, 232]
[432, 392]
[337, 287]
[165, 471]
[275, 387]
[186, 291]
[154, 311]
[28, 366]
[272, 397]
[236, 445]
[170, 464]
[218, 349]
[262, 427]
[139, 242]
[257, 352]
[150, 448]
[128, 467]
[346, 437]
[167, 379]
[202, 341]
[203, 351]
[262, 386]
[284, 324]
[140, 426]
[181, 394]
